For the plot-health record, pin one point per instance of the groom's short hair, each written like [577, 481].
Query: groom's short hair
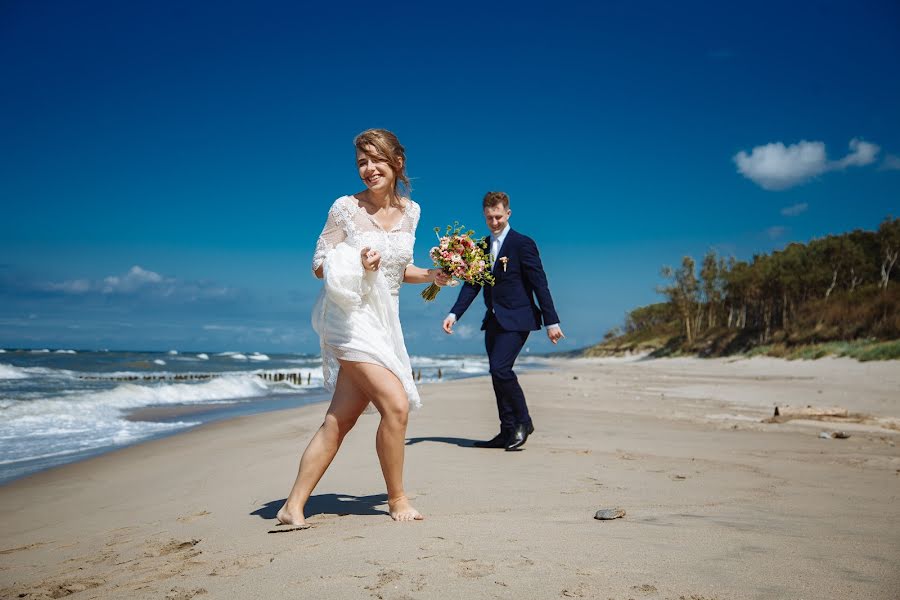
[492, 199]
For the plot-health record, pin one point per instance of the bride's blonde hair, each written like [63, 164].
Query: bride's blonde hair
[388, 149]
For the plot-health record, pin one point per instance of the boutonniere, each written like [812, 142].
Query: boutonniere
[503, 260]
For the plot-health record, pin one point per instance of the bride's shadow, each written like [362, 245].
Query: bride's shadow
[461, 442]
[331, 504]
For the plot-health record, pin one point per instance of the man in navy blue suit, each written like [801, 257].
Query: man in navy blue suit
[511, 315]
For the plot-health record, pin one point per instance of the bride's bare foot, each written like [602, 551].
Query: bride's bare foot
[402, 510]
[288, 517]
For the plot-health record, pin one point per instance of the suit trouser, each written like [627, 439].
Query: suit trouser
[503, 348]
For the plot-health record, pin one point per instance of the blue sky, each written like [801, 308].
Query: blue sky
[165, 168]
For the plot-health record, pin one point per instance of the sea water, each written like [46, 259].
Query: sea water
[58, 406]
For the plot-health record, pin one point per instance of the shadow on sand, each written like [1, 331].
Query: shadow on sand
[461, 442]
[331, 504]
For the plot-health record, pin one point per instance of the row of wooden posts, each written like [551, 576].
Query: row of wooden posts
[295, 378]
[418, 375]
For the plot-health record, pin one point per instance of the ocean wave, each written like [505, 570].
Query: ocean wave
[38, 441]
[11, 372]
[77, 421]
[258, 356]
[203, 356]
[132, 395]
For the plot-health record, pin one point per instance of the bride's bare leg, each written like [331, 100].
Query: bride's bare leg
[347, 404]
[387, 394]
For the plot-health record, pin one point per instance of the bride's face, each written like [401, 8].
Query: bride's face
[376, 173]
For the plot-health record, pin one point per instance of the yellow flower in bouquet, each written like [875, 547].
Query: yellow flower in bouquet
[461, 257]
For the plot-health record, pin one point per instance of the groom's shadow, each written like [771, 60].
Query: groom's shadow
[461, 442]
[331, 504]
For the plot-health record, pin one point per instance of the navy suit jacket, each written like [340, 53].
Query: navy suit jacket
[512, 297]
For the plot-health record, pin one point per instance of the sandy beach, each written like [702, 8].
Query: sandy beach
[719, 505]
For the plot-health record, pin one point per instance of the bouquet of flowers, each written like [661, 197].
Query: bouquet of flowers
[460, 257]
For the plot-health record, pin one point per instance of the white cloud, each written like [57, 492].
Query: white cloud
[891, 163]
[794, 209]
[75, 286]
[131, 281]
[775, 166]
[776, 232]
[138, 283]
[861, 154]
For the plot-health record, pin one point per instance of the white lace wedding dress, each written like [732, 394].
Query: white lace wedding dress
[357, 315]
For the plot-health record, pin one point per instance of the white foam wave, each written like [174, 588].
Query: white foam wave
[238, 356]
[173, 352]
[80, 421]
[258, 356]
[203, 356]
[11, 372]
[313, 362]
[44, 351]
[66, 352]
[132, 395]
[39, 372]
[159, 362]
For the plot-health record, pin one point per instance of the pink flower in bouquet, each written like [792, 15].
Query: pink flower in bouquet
[461, 257]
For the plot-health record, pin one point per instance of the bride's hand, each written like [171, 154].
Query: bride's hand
[370, 259]
[441, 278]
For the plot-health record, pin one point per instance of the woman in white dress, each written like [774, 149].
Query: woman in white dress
[364, 253]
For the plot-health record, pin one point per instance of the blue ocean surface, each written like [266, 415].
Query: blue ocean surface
[59, 406]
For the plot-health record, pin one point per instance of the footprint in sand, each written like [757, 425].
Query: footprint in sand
[472, 568]
[645, 588]
[384, 577]
[175, 546]
[182, 594]
[193, 517]
[235, 567]
[47, 589]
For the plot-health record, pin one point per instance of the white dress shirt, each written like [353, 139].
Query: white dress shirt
[496, 244]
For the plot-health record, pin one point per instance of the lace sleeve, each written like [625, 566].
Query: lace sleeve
[332, 234]
[414, 212]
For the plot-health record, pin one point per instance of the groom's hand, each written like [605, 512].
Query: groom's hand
[448, 324]
[554, 332]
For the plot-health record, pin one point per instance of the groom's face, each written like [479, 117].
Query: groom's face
[496, 218]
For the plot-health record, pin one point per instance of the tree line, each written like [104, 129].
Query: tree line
[836, 287]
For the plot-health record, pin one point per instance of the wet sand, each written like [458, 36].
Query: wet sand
[718, 503]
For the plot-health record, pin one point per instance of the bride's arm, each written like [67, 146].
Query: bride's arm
[414, 274]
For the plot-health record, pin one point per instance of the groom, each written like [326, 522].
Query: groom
[511, 315]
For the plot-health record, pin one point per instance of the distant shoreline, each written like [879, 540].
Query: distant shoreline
[718, 347]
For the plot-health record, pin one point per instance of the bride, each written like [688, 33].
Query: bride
[364, 253]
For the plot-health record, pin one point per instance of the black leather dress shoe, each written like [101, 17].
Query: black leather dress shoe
[498, 441]
[519, 436]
